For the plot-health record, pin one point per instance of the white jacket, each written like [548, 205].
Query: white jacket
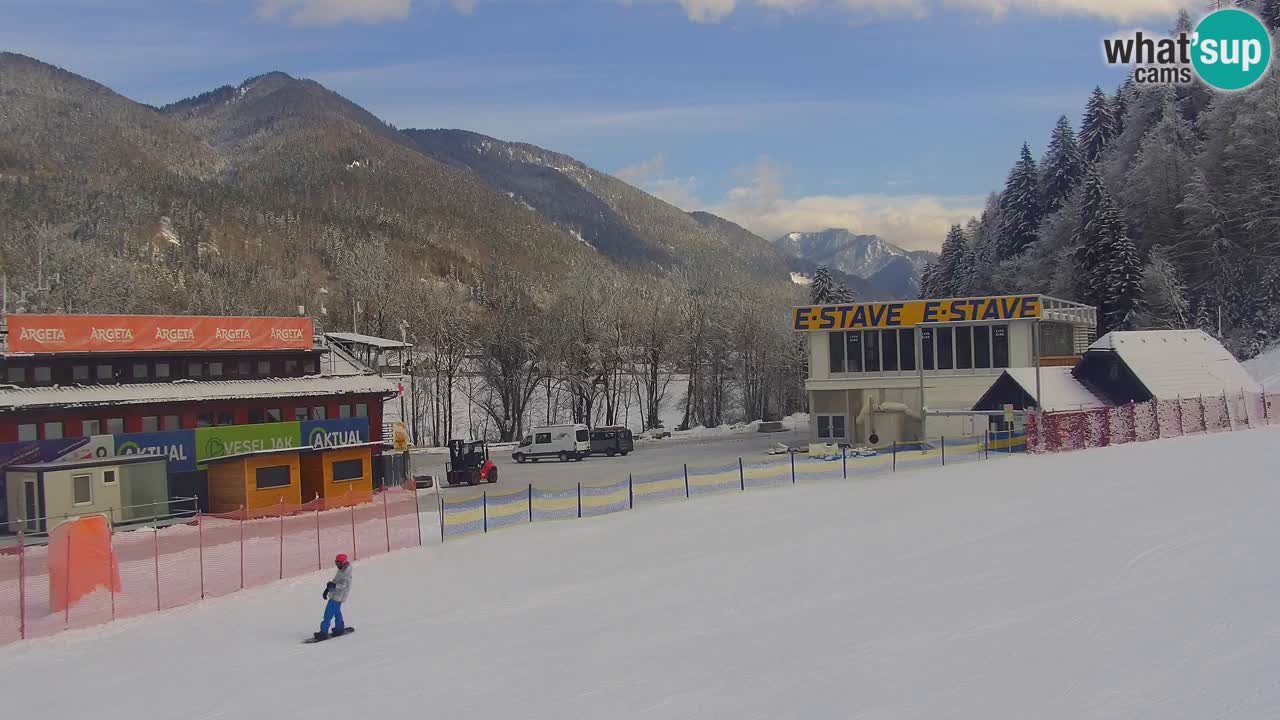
[341, 584]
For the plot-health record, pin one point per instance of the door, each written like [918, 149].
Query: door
[837, 428]
[31, 497]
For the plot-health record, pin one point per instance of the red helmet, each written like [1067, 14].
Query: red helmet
[341, 559]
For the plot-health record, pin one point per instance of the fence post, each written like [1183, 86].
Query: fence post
[1266, 412]
[386, 518]
[242, 547]
[66, 590]
[579, 499]
[200, 540]
[1248, 422]
[742, 477]
[1182, 420]
[793, 468]
[417, 511]
[686, 480]
[942, 441]
[354, 555]
[484, 508]
[631, 493]
[22, 584]
[155, 536]
[1226, 406]
[440, 502]
[844, 462]
[895, 456]
[111, 567]
[986, 442]
[530, 502]
[281, 540]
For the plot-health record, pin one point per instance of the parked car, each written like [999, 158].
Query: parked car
[612, 441]
[564, 442]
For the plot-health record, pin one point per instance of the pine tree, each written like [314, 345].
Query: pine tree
[1120, 103]
[1098, 127]
[1061, 168]
[926, 281]
[1124, 275]
[1105, 256]
[966, 264]
[825, 290]
[951, 275]
[1157, 182]
[1164, 303]
[1020, 206]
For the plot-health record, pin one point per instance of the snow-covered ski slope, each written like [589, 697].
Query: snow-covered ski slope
[1137, 581]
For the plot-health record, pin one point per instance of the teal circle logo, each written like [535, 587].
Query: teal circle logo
[1231, 49]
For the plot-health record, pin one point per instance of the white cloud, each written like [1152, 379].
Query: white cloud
[332, 12]
[712, 11]
[681, 192]
[464, 7]
[916, 222]
[644, 169]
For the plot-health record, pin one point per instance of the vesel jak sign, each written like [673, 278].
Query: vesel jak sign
[335, 433]
[909, 313]
[177, 445]
[215, 442]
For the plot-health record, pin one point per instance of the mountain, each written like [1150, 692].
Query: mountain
[278, 192]
[887, 270]
[623, 223]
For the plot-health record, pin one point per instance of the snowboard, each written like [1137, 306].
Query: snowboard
[345, 631]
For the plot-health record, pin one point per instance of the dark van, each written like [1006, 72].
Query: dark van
[612, 441]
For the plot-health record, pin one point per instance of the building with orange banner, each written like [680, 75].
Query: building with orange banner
[190, 388]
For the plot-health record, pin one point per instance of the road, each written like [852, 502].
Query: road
[651, 457]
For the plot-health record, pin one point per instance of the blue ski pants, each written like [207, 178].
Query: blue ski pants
[332, 613]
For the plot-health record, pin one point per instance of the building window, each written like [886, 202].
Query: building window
[115, 426]
[290, 368]
[150, 423]
[273, 476]
[195, 369]
[835, 352]
[256, 416]
[204, 420]
[89, 428]
[853, 350]
[16, 375]
[162, 370]
[831, 427]
[82, 489]
[1000, 346]
[215, 369]
[906, 350]
[139, 371]
[871, 351]
[317, 412]
[889, 350]
[344, 411]
[362, 410]
[226, 417]
[926, 347]
[172, 422]
[53, 431]
[300, 414]
[309, 366]
[264, 368]
[105, 372]
[28, 433]
[347, 470]
[43, 374]
[108, 477]
[244, 368]
[964, 347]
[945, 349]
[982, 346]
[274, 415]
[80, 373]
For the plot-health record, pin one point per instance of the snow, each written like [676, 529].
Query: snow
[1097, 584]
[1265, 369]
[1059, 390]
[1178, 363]
[78, 395]
[800, 279]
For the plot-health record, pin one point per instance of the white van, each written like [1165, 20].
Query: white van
[565, 442]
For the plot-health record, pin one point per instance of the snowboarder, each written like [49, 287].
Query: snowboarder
[336, 592]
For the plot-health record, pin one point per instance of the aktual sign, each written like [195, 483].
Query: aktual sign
[155, 333]
[177, 445]
[335, 433]
[909, 313]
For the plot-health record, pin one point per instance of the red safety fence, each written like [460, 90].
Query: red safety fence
[1139, 422]
[48, 588]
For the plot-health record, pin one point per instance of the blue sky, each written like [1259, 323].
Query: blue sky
[885, 116]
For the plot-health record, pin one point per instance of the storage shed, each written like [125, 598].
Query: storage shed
[122, 489]
[255, 480]
[338, 472]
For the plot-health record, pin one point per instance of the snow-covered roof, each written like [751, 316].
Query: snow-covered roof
[1177, 363]
[12, 398]
[1265, 368]
[369, 340]
[336, 361]
[1058, 389]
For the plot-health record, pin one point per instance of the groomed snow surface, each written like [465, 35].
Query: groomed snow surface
[1130, 582]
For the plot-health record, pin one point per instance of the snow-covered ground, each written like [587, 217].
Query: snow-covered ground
[1265, 368]
[1128, 582]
